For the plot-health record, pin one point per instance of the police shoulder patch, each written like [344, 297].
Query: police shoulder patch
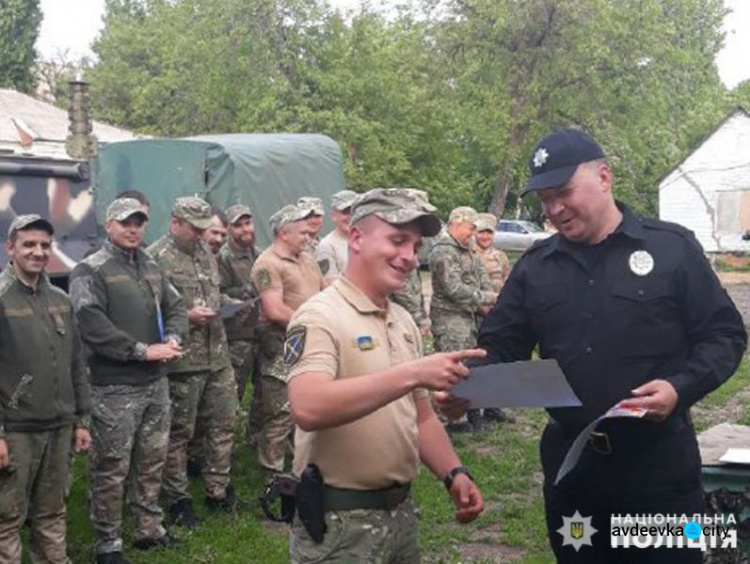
[295, 344]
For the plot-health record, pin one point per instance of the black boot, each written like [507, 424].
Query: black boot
[164, 541]
[475, 420]
[230, 503]
[182, 514]
[194, 468]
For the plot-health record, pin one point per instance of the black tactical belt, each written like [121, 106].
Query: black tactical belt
[337, 499]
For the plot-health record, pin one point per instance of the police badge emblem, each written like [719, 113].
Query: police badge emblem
[641, 263]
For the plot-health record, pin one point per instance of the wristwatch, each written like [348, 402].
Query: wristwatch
[448, 480]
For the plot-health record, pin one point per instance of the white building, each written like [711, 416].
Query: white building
[709, 191]
[29, 126]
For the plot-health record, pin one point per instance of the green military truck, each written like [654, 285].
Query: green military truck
[264, 171]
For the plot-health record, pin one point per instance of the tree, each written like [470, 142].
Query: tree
[19, 27]
[638, 74]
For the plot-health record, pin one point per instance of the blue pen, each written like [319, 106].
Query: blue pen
[159, 321]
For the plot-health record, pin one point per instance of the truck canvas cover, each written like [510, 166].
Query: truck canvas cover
[264, 171]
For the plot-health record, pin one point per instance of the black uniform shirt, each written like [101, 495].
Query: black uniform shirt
[647, 307]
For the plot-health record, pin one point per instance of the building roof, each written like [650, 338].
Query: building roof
[25, 120]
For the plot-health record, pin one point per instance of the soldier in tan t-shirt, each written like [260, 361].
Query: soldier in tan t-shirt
[284, 276]
[358, 390]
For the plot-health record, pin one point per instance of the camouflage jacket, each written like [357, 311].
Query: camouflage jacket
[460, 282]
[235, 266]
[411, 299]
[119, 301]
[43, 383]
[195, 275]
[497, 264]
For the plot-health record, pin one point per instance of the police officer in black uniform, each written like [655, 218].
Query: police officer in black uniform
[631, 310]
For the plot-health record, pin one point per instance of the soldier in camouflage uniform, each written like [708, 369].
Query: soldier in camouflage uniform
[284, 276]
[132, 321]
[497, 265]
[44, 397]
[359, 387]
[236, 260]
[494, 260]
[314, 222]
[203, 379]
[410, 297]
[461, 287]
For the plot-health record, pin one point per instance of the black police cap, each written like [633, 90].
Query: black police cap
[557, 156]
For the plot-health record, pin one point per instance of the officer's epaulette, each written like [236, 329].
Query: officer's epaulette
[540, 244]
[96, 260]
[660, 225]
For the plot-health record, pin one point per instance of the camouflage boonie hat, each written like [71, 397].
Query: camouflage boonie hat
[123, 208]
[463, 213]
[23, 221]
[310, 203]
[343, 200]
[195, 211]
[486, 222]
[397, 206]
[288, 214]
[236, 212]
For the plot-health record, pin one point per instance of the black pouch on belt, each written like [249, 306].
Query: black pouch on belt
[311, 502]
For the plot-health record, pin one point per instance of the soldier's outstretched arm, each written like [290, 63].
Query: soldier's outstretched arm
[89, 298]
[319, 400]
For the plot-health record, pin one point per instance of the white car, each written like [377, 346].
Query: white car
[517, 235]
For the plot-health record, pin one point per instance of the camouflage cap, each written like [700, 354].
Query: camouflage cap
[486, 222]
[398, 206]
[196, 211]
[123, 208]
[236, 212]
[288, 214]
[310, 203]
[343, 200]
[25, 221]
[463, 213]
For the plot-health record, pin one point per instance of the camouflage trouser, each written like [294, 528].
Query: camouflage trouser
[276, 436]
[361, 535]
[243, 360]
[214, 395]
[33, 486]
[453, 331]
[130, 428]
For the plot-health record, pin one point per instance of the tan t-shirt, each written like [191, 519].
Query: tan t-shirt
[298, 278]
[346, 335]
[333, 254]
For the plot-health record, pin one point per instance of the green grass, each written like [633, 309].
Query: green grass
[505, 463]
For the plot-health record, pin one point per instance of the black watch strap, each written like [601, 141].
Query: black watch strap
[448, 480]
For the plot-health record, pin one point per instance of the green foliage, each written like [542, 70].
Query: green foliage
[19, 27]
[451, 101]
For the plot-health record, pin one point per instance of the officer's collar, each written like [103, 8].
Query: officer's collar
[119, 252]
[355, 296]
[629, 227]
